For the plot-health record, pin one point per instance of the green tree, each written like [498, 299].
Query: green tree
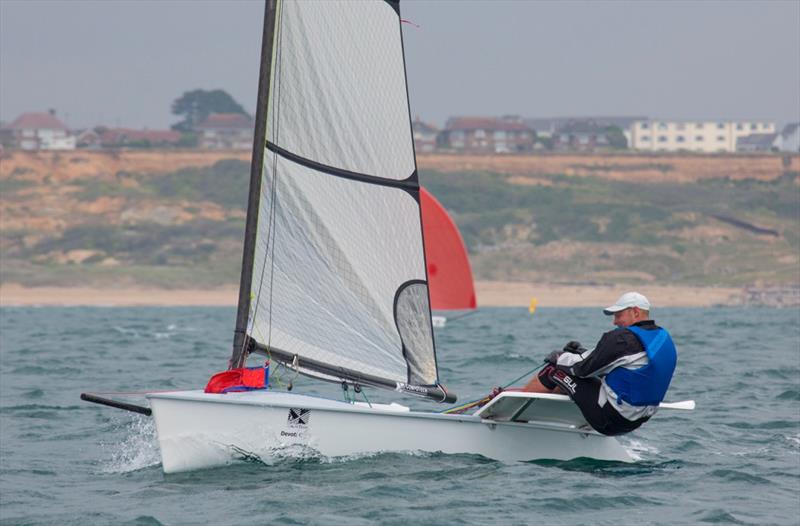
[198, 104]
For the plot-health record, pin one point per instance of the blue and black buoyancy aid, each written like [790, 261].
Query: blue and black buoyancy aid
[646, 385]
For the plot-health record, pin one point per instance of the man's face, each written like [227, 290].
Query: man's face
[627, 317]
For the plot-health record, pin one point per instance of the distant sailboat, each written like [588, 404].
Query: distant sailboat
[449, 272]
[334, 282]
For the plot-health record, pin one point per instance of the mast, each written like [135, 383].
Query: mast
[240, 339]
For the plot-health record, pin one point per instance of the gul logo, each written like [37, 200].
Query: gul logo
[565, 381]
[570, 383]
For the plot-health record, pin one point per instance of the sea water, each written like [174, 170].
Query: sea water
[734, 460]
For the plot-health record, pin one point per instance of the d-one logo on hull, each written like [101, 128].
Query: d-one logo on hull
[299, 417]
[297, 422]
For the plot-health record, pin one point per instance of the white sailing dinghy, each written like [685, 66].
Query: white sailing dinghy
[333, 280]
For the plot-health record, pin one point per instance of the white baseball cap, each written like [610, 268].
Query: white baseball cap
[628, 300]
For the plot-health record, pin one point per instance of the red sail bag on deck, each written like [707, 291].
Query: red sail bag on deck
[242, 379]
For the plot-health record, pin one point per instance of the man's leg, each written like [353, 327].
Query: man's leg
[542, 383]
[584, 392]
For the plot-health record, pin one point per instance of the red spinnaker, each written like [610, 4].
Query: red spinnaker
[449, 273]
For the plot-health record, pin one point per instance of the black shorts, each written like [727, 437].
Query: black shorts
[585, 393]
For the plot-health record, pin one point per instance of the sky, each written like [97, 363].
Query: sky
[122, 63]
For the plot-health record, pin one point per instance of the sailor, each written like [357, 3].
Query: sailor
[618, 384]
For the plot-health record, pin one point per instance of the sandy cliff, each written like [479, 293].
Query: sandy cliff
[55, 206]
[66, 166]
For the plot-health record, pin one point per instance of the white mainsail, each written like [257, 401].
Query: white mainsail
[338, 268]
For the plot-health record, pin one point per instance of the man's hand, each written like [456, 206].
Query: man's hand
[574, 348]
[552, 358]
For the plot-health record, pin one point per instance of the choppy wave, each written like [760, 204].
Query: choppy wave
[639, 448]
[791, 394]
[734, 460]
[138, 448]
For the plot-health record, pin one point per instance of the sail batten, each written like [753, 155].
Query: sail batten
[411, 182]
[338, 279]
[341, 87]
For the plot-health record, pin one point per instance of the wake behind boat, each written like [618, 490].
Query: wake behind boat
[334, 283]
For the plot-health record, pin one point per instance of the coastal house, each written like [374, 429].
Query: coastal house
[788, 140]
[694, 136]
[582, 136]
[756, 142]
[225, 131]
[88, 138]
[6, 137]
[39, 131]
[546, 127]
[487, 135]
[425, 136]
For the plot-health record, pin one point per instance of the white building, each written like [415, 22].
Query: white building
[693, 136]
[225, 131]
[40, 131]
[789, 139]
[757, 142]
[424, 136]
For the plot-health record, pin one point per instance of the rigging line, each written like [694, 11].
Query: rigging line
[464, 315]
[269, 221]
[535, 369]
[139, 393]
[248, 316]
[462, 408]
[345, 393]
[276, 374]
[296, 367]
[364, 393]
[278, 371]
[477, 401]
[273, 222]
[271, 217]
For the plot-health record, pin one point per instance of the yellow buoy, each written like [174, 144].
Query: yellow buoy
[532, 307]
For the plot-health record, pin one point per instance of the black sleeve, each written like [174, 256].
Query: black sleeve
[612, 346]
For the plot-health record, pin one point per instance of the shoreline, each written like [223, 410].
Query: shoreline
[489, 294]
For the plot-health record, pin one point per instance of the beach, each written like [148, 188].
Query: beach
[489, 294]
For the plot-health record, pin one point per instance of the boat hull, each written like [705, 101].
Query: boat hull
[198, 430]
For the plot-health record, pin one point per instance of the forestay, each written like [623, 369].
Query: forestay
[338, 278]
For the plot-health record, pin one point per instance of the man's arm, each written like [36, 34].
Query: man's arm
[614, 348]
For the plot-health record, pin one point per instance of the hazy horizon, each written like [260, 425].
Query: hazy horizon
[123, 63]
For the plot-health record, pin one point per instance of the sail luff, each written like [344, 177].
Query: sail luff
[239, 354]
